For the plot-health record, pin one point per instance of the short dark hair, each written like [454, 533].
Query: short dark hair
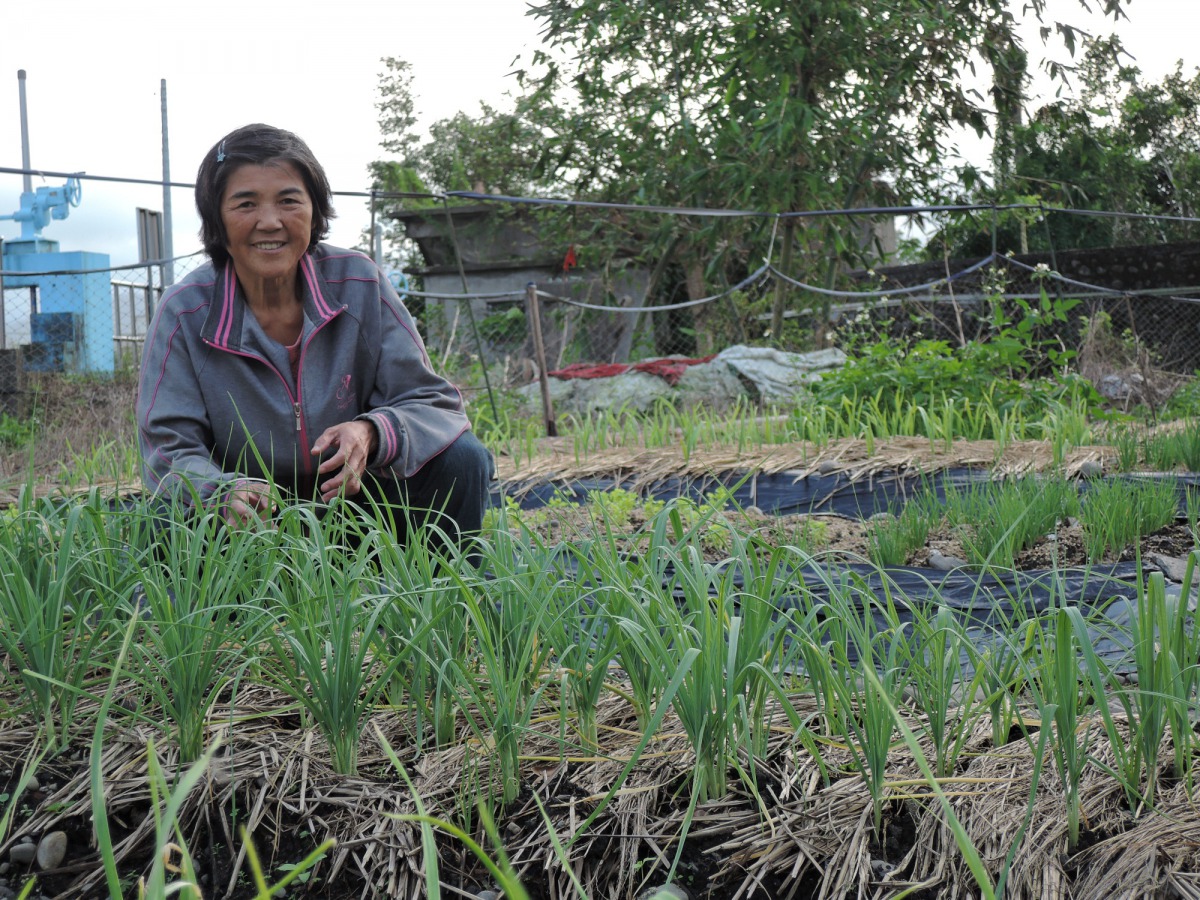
[256, 144]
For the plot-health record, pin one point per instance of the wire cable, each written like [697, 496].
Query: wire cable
[745, 282]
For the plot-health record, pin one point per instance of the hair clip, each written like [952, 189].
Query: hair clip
[221, 152]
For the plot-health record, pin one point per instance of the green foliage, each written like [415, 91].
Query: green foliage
[891, 538]
[1185, 401]
[1121, 145]
[1016, 369]
[506, 329]
[1167, 451]
[768, 106]
[494, 151]
[15, 432]
[998, 521]
[1117, 513]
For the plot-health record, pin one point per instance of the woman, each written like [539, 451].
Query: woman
[289, 363]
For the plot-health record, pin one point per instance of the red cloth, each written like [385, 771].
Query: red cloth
[670, 370]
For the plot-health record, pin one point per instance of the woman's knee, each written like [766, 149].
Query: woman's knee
[469, 456]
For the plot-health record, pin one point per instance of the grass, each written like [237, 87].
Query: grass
[1116, 513]
[335, 619]
[696, 667]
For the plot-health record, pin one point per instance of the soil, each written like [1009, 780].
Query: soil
[836, 538]
[713, 865]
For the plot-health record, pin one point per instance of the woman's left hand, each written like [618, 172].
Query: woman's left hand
[354, 443]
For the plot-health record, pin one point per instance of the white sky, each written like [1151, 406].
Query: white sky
[93, 70]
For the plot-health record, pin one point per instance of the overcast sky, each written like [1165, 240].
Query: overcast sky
[94, 66]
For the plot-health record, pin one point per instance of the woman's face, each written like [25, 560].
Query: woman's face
[267, 214]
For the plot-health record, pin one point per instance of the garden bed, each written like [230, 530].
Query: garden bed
[803, 812]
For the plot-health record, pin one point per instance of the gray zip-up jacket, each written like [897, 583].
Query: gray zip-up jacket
[217, 401]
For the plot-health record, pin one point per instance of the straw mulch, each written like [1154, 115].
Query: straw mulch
[555, 460]
[793, 830]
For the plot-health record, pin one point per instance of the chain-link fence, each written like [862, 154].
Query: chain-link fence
[1138, 306]
[477, 302]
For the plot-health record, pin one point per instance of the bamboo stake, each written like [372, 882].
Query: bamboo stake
[539, 353]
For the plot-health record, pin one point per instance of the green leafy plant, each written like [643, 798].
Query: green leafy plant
[1116, 513]
[321, 649]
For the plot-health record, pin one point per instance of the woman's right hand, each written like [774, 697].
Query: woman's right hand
[248, 503]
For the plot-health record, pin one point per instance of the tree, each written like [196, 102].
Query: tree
[493, 152]
[1121, 146]
[772, 105]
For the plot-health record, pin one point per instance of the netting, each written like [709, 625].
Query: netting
[476, 301]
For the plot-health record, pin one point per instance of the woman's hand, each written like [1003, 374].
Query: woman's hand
[248, 502]
[354, 443]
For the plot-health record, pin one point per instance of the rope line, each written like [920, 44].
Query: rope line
[715, 212]
[668, 210]
[911, 289]
[501, 295]
[745, 282]
[6, 273]
[1062, 279]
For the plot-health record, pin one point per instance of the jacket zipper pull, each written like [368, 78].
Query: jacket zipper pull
[296, 410]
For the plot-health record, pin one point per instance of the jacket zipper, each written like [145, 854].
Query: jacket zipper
[295, 400]
[301, 439]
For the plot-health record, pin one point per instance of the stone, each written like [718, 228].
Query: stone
[33, 784]
[945, 563]
[777, 375]
[880, 869]
[667, 892]
[487, 895]
[1114, 387]
[22, 854]
[711, 385]
[1091, 468]
[52, 850]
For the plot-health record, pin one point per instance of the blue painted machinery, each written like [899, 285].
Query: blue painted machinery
[46, 203]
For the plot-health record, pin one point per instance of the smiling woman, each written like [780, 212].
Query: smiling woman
[268, 218]
[289, 368]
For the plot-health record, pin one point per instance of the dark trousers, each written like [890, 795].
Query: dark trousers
[443, 502]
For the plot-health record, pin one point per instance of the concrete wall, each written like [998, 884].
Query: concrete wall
[501, 253]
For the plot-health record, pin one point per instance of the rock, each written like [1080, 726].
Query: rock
[667, 892]
[1172, 567]
[52, 850]
[880, 869]
[22, 854]
[829, 466]
[487, 895]
[1114, 387]
[776, 374]
[33, 784]
[7, 893]
[1091, 468]
[945, 563]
